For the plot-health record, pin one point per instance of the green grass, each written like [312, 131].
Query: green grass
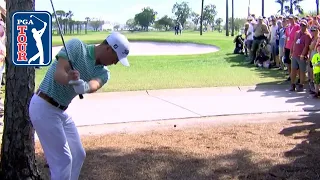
[221, 68]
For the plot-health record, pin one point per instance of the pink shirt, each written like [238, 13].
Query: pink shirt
[290, 34]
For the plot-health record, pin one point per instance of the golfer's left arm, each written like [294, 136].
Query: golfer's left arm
[101, 79]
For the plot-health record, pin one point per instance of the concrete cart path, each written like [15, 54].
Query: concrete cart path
[120, 107]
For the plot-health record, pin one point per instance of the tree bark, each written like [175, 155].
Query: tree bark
[17, 152]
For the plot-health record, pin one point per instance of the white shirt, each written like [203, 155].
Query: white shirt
[273, 33]
[250, 29]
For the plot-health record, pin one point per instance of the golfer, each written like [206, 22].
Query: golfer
[56, 130]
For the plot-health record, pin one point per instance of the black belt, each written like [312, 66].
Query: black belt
[51, 100]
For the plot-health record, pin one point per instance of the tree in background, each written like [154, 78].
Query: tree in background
[17, 150]
[166, 22]
[182, 11]
[201, 17]
[294, 6]
[218, 23]
[281, 3]
[96, 23]
[232, 18]
[195, 18]
[209, 14]
[227, 18]
[130, 24]
[262, 6]
[86, 24]
[145, 18]
[317, 5]
[238, 23]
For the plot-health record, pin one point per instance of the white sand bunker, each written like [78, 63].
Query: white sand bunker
[165, 48]
[162, 48]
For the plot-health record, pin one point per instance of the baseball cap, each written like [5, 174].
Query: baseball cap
[304, 22]
[120, 45]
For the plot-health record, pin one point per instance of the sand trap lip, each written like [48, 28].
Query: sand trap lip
[146, 48]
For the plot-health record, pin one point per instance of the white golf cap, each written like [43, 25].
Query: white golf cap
[120, 45]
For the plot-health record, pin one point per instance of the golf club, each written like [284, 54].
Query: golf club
[36, 18]
[55, 15]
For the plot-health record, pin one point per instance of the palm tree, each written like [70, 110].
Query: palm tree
[317, 3]
[86, 24]
[227, 18]
[232, 18]
[262, 6]
[294, 5]
[281, 2]
[201, 17]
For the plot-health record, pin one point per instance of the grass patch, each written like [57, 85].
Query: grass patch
[221, 68]
[247, 149]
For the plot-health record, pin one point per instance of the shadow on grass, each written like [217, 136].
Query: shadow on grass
[239, 60]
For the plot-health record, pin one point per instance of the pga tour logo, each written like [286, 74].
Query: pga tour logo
[31, 38]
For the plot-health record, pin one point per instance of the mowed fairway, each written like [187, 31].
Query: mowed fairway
[221, 68]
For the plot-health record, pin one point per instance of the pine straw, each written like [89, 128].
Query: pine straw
[236, 151]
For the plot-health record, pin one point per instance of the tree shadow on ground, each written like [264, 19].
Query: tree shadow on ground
[300, 99]
[239, 60]
[162, 163]
[305, 155]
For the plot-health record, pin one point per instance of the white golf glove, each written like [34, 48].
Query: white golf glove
[80, 86]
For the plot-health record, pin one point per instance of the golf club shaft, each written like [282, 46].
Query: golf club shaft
[71, 66]
[38, 19]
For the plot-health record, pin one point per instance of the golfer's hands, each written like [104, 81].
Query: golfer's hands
[80, 86]
[73, 75]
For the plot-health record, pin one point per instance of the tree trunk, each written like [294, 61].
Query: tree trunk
[232, 18]
[201, 17]
[17, 152]
[281, 10]
[262, 6]
[291, 7]
[227, 18]
[317, 2]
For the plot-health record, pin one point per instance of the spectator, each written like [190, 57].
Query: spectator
[291, 30]
[312, 51]
[282, 36]
[239, 44]
[249, 36]
[260, 29]
[300, 48]
[274, 40]
[316, 70]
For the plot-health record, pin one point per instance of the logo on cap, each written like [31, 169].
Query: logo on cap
[126, 52]
[31, 38]
[115, 46]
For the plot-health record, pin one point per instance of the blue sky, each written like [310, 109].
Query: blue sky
[121, 10]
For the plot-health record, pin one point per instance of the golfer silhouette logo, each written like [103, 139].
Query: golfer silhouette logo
[31, 38]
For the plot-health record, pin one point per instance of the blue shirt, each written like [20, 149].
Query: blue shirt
[82, 57]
